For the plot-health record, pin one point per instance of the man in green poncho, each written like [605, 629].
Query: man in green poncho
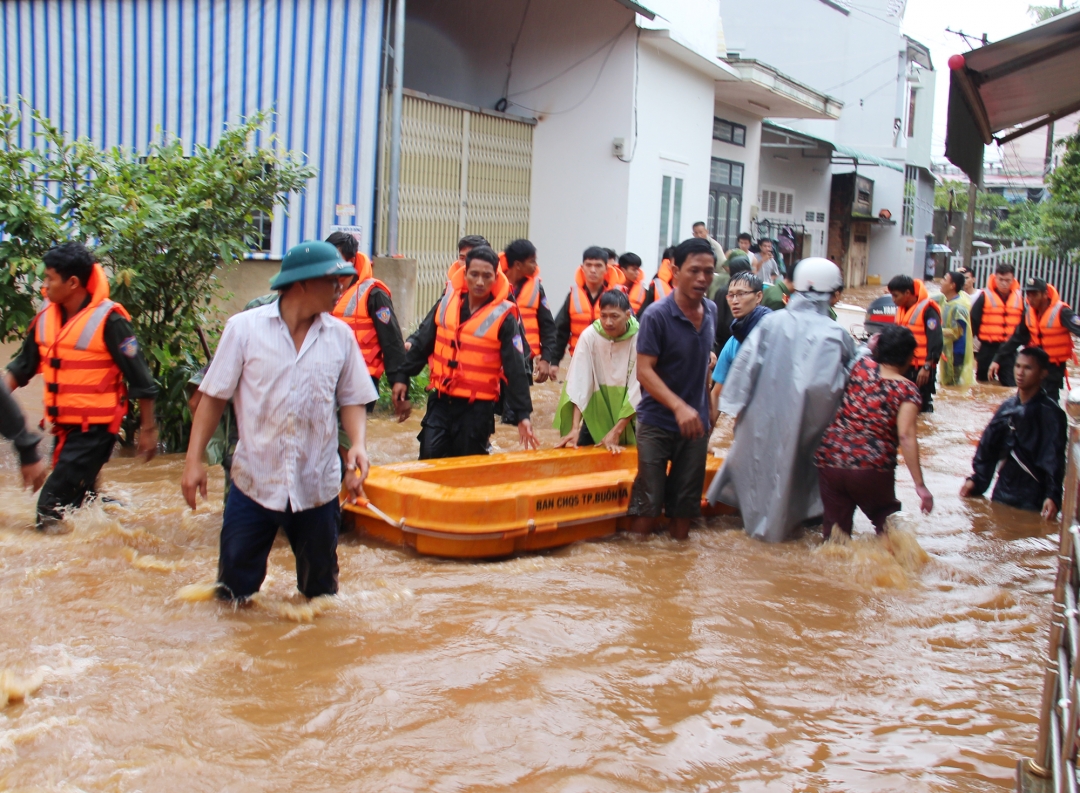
[600, 396]
[958, 356]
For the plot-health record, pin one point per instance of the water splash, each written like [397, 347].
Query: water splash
[891, 560]
[14, 688]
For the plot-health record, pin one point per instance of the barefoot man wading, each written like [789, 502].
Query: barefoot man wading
[288, 367]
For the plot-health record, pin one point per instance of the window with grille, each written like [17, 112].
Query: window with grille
[264, 227]
[908, 217]
[725, 201]
[815, 217]
[670, 212]
[729, 132]
[777, 201]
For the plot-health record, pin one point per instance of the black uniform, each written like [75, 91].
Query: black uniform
[454, 426]
[562, 326]
[935, 343]
[388, 332]
[1022, 337]
[988, 350]
[546, 324]
[13, 427]
[1028, 442]
[78, 456]
[724, 318]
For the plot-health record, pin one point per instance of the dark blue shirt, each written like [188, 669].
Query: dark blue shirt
[682, 359]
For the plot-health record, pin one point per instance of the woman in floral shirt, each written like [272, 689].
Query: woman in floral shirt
[857, 457]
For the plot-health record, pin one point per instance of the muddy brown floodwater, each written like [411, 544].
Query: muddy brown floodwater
[717, 664]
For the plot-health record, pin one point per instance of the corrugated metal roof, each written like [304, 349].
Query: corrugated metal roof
[860, 157]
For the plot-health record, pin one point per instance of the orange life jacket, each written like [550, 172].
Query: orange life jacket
[1000, 317]
[913, 317]
[528, 304]
[353, 309]
[636, 292]
[583, 311]
[83, 384]
[467, 361]
[663, 283]
[1047, 330]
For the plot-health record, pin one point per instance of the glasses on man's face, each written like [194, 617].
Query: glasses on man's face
[738, 295]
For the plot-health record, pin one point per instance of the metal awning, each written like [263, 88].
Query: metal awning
[1030, 77]
[788, 138]
[638, 8]
[764, 91]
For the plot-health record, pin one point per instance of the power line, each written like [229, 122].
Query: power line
[862, 73]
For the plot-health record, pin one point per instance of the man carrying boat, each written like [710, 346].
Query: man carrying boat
[473, 344]
[784, 389]
[1048, 323]
[918, 312]
[289, 367]
[674, 346]
[366, 307]
[582, 306]
[83, 345]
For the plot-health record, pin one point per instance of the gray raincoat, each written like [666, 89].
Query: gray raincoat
[784, 388]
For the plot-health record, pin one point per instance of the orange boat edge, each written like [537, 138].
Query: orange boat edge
[487, 506]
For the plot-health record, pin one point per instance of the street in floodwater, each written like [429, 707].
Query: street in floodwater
[718, 664]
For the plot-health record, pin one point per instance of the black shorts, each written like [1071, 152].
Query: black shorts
[678, 492]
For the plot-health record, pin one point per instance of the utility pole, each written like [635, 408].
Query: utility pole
[394, 199]
[969, 225]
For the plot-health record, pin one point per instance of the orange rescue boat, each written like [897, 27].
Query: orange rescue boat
[487, 506]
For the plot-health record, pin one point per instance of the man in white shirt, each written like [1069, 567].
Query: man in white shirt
[288, 367]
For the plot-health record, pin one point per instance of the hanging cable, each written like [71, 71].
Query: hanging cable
[637, 49]
[502, 103]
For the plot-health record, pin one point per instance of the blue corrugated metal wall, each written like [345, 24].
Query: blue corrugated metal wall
[117, 70]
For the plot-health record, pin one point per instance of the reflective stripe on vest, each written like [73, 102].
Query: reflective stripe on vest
[915, 323]
[636, 293]
[661, 289]
[1049, 333]
[528, 303]
[467, 361]
[353, 309]
[583, 313]
[83, 385]
[1000, 318]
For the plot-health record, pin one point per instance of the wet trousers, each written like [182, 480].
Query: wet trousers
[985, 356]
[843, 489]
[77, 460]
[676, 492]
[1055, 381]
[927, 391]
[248, 530]
[455, 427]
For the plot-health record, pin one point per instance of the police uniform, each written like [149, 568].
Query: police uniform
[85, 360]
[1050, 330]
[993, 321]
[924, 321]
[474, 361]
[366, 307]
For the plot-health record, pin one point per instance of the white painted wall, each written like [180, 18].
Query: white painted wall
[461, 50]
[695, 22]
[748, 155]
[675, 112]
[811, 183]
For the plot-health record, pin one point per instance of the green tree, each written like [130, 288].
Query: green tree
[1043, 13]
[165, 224]
[1061, 216]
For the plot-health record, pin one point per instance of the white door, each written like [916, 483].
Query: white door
[817, 231]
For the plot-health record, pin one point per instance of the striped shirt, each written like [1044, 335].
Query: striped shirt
[286, 404]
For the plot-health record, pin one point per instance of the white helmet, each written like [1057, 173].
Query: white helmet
[817, 275]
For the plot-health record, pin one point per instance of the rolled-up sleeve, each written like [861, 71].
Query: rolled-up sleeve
[223, 375]
[355, 386]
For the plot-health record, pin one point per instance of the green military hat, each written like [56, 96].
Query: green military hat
[310, 259]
